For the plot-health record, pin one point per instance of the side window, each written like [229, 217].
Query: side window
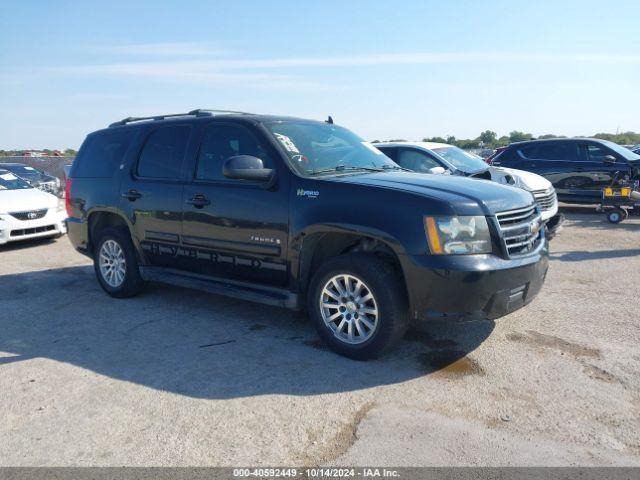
[553, 151]
[416, 161]
[596, 153]
[163, 153]
[223, 141]
[390, 152]
[102, 154]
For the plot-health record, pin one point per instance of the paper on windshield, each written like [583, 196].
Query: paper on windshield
[287, 143]
[8, 177]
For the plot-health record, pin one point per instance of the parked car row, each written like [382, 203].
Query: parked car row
[34, 177]
[578, 168]
[27, 212]
[304, 215]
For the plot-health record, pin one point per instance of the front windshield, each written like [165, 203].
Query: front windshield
[8, 181]
[622, 151]
[316, 148]
[460, 159]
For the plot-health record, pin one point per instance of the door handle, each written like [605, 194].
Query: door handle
[132, 195]
[199, 201]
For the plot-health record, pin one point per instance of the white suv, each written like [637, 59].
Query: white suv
[26, 212]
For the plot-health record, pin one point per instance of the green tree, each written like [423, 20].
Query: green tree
[434, 140]
[517, 136]
[488, 138]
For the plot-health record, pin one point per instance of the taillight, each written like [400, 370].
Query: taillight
[67, 197]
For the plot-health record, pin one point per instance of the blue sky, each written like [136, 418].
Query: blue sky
[403, 69]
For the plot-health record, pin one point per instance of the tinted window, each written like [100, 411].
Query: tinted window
[390, 152]
[596, 153]
[221, 142]
[551, 151]
[163, 153]
[416, 161]
[101, 154]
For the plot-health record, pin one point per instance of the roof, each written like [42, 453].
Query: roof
[204, 114]
[427, 145]
[12, 164]
[552, 140]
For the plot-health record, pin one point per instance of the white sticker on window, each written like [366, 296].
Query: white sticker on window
[372, 148]
[287, 143]
[8, 177]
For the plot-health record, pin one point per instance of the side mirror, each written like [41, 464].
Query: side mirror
[609, 159]
[246, 167]
[437, 170]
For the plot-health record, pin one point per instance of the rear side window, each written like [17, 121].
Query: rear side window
[102, 154]
[163, 153]
[553, 151]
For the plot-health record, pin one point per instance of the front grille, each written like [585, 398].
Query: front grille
[521, 230]
[31, 231]
[32, 215]
[547, 199]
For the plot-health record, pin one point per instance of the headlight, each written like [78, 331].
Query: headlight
[61, 207]
[457, 235]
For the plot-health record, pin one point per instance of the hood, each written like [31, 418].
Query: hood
[26, 199]
[464, 194]
[527, 180]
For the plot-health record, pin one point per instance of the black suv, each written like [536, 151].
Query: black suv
[578, 168]
[299, 214]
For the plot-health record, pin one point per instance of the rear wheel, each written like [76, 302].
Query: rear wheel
[358, 305]
[116, 265]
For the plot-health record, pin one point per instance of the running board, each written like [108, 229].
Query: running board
[278, 297]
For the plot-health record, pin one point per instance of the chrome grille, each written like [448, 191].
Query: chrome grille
[521, 230]
[31, 215]
[547, 199]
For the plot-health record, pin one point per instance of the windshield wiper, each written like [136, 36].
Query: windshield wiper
[395, 167]
[343, 168]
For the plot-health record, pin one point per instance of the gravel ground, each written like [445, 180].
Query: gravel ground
[183, 378]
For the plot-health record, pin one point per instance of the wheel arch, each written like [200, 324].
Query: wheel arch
[321, 243]
[100, 219]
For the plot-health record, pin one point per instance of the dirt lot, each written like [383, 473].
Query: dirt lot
[177, 377]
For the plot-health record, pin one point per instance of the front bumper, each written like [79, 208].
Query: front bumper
[459, 285]
[13, 229]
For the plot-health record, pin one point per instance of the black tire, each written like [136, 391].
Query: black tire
[387, 287]
[133, 283]
[615, 215]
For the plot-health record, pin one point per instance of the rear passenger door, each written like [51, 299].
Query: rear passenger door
[151, 193]
[235, 228]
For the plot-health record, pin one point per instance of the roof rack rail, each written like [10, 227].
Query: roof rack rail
[211, 111]
[200, 112]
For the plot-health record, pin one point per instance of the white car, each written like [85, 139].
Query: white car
[429, 157]
[26, 212]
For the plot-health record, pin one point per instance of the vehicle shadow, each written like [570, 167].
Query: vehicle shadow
[579, 256]
[25, 244]
[586, 216]
[202, 345]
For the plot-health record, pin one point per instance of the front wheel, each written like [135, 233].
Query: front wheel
[116, 265]
[358, 305]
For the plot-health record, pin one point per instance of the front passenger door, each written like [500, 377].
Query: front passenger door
[235, 229]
